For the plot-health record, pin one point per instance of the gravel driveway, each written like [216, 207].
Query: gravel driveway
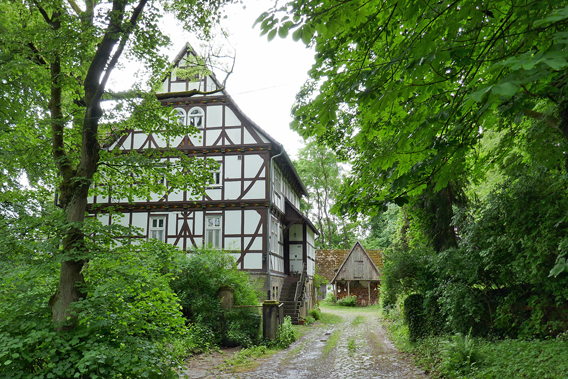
[357, 347]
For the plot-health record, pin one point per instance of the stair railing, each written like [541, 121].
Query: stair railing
[300, 285]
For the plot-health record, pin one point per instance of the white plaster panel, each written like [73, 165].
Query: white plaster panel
[198, 241]
[211, 84]
[178, 87]
[263, 138]
[160, 140]
[310, 234]
[256, 243]
[257, 191]
[252, 218]
[103, 218]
[172, 224]
[140, 220]
[139, 140]
[230, 118]
[234, 135]
[296, 232]
[212, 136]
[198, 217]
[232, 243]
[176, 141]
[126, 143]
[248, 138]
[214, 116]
[233, 222]
[193, 197]
[196, 140]
[252, 165]
[194, 85]
[232, 190]
[164, 87]
[214, 193]
[253, 260]
[102, 199]
[235, 256]
[120, 219]
[176, 196]
[233, 166]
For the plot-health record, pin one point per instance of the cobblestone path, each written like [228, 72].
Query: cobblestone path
[359, 349]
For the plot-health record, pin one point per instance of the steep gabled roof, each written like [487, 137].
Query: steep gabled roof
[329, 260]
[283, 160]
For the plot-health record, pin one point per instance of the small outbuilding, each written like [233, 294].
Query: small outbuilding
[358, 275]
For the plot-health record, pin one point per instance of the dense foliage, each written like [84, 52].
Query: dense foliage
[123, 325]
[198, 277]
[404, 90]
[456, 112]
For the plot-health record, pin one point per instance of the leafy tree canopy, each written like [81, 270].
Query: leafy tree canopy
[57, 59]
[405, 89]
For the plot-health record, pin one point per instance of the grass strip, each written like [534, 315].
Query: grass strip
[358, 320]
[331, 343]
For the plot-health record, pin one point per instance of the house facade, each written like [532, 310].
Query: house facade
[252, 207]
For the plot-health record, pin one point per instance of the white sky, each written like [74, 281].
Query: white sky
[266, 76]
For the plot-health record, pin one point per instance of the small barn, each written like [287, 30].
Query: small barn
[358, 275]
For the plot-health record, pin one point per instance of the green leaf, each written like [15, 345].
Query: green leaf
[476, 96]
[560, 266]
[505, 89]
[271, 35]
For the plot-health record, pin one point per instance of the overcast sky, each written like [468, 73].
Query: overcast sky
[266, 76]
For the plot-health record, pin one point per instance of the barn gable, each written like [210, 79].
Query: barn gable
[358, 265]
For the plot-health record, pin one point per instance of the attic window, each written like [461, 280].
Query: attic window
[196, 117]
[180, 114]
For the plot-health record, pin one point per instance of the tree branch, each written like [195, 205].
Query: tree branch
[76, 8]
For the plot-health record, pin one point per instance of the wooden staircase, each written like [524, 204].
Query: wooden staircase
[292, 296]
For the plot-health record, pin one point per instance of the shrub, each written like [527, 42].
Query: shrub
[459, 355]
[315, 313]
[123, 324]
[285, 334]
[348, 301]
[330, 298]
[198, 277]
[414, 316]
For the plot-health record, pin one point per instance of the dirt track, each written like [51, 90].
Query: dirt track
[358, 348]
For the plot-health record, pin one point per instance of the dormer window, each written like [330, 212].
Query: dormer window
[196, 117]
[180, 115]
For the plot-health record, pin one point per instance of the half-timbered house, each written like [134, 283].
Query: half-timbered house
[251, 209]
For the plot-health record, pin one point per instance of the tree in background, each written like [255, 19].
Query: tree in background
[322, 174]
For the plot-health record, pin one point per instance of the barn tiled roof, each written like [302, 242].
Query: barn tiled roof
[329, 260]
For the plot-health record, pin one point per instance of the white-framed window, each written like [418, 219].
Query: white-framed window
[216, 173]
[213, 231]
[180, 115]
[275, 236]
[157, 228]
[195, 117]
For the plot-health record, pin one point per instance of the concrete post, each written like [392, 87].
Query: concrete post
[270, 319]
